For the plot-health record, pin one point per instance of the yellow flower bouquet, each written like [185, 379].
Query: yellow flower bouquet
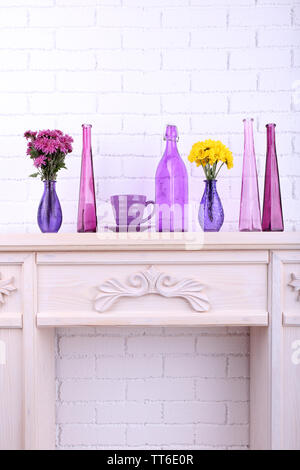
[211, 155]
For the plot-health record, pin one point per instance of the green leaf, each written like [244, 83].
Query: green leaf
[34, 175]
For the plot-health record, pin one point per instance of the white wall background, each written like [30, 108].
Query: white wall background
[130, 67]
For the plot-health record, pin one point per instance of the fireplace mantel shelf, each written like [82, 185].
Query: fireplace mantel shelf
[189, 279]
[148, 241]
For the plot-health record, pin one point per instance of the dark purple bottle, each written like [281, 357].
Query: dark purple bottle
[272, 220]
[171, 188]
[49, 213]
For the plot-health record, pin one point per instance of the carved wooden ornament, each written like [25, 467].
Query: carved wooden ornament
[151, 281]
[295, 283]
[6, 287]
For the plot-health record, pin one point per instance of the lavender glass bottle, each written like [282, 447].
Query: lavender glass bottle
[171, 188]
[87, 218]
[272, 220]
[250, 215]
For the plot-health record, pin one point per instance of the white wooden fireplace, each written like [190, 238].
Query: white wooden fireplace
[247, 279]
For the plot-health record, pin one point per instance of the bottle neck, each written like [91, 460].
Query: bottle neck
[248, 136]
[49, 184]
[86, 136]
[171, 147]
[270, 136]
[210, 183]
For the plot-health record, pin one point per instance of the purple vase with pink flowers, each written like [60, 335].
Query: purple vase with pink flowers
[48, 149]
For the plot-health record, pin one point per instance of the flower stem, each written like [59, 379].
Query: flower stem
[219, 170]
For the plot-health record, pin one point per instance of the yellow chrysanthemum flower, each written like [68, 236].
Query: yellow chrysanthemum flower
[208, 153]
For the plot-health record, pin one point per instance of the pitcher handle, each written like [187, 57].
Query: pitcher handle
[152, 213]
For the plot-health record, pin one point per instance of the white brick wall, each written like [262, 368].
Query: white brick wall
[130, 67]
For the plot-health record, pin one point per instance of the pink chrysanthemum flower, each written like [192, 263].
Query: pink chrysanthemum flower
[29, 148]
[30, 134]
[39, 161]
[45, 145]
[65, 144]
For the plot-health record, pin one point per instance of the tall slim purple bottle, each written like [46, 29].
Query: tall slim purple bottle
[87, 218]
[250, 216]
[171, 188]
[272, 220]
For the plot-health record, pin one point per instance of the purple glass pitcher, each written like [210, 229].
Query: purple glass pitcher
[129, 210]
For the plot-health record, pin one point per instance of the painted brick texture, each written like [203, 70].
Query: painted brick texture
[130, 67]
[159, 388]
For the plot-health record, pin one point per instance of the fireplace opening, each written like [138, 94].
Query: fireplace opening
[152, 388]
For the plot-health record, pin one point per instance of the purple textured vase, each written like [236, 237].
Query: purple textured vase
[171, 188]
[250, 215]
[87, 218]
[49, 213]
[211, 214]
[272, 220]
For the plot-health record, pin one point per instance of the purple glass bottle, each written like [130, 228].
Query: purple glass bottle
[250, 215]
[49, 212]
[171, 188]
[87, 216]
[272, 220]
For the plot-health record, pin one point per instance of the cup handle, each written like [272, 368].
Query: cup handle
[152, 213]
